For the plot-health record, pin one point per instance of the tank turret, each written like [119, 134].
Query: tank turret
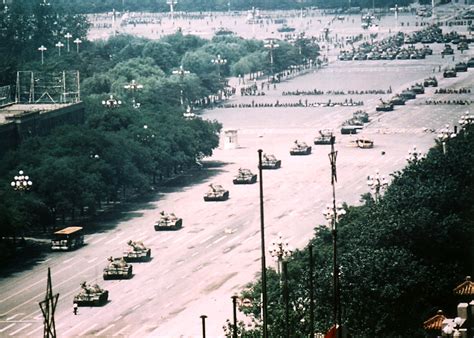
[300, 148]
[91, 295]
[136, 252]
[245, 176]
[117, 268]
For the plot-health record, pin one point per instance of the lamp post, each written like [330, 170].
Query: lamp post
[262, 233]
[133, 87]
[68, 36]
[171, 3]
[181, 72]
[234, 307]
[377, 184]
[280, 250]
[111, 102]
[271, 45]
[77, 42]
[21, 182]
[59, 45]
[42, 49]
[219, 62]
[444, 135]
[466, 120]
[147, 135]
[414, 155]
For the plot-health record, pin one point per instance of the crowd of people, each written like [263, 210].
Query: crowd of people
[336, 92]
[463, 90]
[300, 103]
[442, 102]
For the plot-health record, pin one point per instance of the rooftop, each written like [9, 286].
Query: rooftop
[13, 110]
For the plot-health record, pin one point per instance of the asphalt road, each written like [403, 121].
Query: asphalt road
[197, 269]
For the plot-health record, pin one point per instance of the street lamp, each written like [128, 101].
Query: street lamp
[280, 250]
[133, 87]
[377, 183]
[181, 72]
[271, 45]
[111, 102]
[59, 45]
[414, 155]
[21, 182]
[42, 49]
[147, 135]
[444, 135]
[77, 42]
[219, 61]
[68, 36]
[466, 120]
[171, 3]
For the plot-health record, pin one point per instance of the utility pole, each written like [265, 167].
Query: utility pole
[48, 306]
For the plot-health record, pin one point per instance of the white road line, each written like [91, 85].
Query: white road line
[166, 271]
[37, 329]
[135, 307]
[68, 260]
[234, 239]
[92, 260]
[7, 327]
[46, 260]
[206, 239]
[112, 240]
[118, 318]
[194, 254]
[88, 329]
[101, 332]
[218, 240]
[122, 330]
[20, 329]
[98, 240]
[72, 328]
[248, 239]
[180, 262]
[178, 239]
[12, 317]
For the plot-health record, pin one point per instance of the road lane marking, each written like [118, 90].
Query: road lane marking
[68, 260]
[206, 239]
[179, 239]
[118, 318]
[234, 239]
[12, 317]
[7, 327]
[166, 271]
[122, 330]
[101, 332]
[98, 240]
[194, 254]
[92, 260]
[20, 329]
[72, 328]
[219, 239]
[46, 260]
[135, 307]
[112, 240]
[37, 329]
[248, 239]
[88, 329]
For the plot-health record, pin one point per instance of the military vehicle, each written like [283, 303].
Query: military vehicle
[361, 116]
[216, 193]
[408, 94]
[117, 268]
[397, 100]
[168, 222]
[349, 130]
[470, 63]
[448, 50]
[285, 29]
[418, 88]
[384, 106]
[245, 176]
[136, 252]
[364, 143]
[461, 67]
[270, 162]
[430, 82]
[300, 148]
[324, 137]
[91, 295]
[449, 73]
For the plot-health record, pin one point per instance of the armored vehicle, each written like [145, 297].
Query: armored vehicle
[168, 222]
[461, 67]
[270, 162]
[136, 252]
[285, 29]
[430, 82]
[448, 50]
[348, 130]
[384, 106]
[216, 193]
[449, 73]
[408, 94]
[91, 295]
[245, 176]
[324, 137]
[397, 100]
[361, 116]
[418, 88]
[470, 63]
[300, 148]
[365, 143]
[117, 268]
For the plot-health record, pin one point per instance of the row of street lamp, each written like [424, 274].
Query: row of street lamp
[60, 45]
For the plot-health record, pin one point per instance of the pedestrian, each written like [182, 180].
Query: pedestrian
[74, 309]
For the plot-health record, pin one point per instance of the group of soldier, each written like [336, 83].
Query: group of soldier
[336, 92]
[451, 102]
[453, 91]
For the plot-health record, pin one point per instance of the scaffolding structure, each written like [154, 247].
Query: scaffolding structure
[41, 87]
[5, 95]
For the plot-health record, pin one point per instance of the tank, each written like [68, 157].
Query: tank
[136, 252]
[324, 137]
[408, 94]
[300, 148]
[349, 130]
[270, 162]
[365, 143]
[461, 67]
[430, 82]
[384, 106]
[91, 295]
[117, 268]
[449, 73]
[361, 115]
[470, 63]
[216, 193]
[418, 88]
[448, 50]
[168, 222]
[245, 176]
[397, 100]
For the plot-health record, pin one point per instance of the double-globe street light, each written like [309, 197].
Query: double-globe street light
[219, 61]
[42, 49]
[414, 155]
[444, 135]
[133, 86]
[21, 182]
[59, 45]
[271, 45]
[466, 120]
[181, 72]
[377, 183]
[111, 102]
[77, 41]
